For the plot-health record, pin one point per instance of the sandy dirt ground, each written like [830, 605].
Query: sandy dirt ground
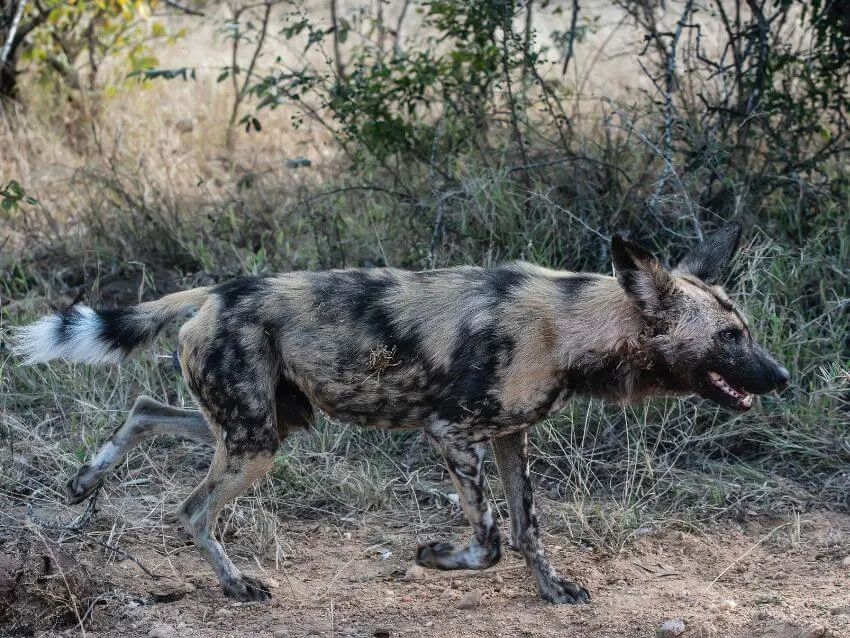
[767, 578]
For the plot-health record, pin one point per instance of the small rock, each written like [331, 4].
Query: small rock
[727, 605]
[414, 572]
[184, 125]
[837, 611]
[382, 632]
[162, 630]
[470, 599]
[272, 583]
[223, 612]
[297, 162]
[671, 628]
[845, 562]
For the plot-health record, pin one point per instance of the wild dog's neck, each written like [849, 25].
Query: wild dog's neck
[601, 342]
[597, 317]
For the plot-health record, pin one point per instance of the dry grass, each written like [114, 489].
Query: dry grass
[139, 195]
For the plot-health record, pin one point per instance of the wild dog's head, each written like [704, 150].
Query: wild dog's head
[700, 341]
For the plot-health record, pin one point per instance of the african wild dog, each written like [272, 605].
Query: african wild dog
[469, 354]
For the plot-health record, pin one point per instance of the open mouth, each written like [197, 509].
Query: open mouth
[743, 400]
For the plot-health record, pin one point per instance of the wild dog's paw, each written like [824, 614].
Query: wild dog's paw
[444, 555]
[437, 555]
[82, 485]
[246, 589]
[564, 592]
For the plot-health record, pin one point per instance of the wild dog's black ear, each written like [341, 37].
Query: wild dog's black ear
[641, 274]
[709, 260]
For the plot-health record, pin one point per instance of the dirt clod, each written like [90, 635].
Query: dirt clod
[414, 572]
[43, 586]
[162, 630]
[470, 599]
[169, 591]
[671, 628]
[727, 605]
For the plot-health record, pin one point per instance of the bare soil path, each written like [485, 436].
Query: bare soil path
[767, 579]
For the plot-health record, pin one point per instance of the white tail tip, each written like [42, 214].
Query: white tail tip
[74, 334]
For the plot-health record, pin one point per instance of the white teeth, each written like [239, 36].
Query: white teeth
[746, 400]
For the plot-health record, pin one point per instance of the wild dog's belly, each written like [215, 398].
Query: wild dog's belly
[410, 397]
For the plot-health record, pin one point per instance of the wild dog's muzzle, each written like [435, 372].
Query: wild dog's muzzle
[733, 382]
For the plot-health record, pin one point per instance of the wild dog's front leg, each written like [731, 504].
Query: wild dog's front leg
[484, 549]
[511, 453]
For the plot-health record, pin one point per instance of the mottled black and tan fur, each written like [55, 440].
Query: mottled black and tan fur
[472, 355]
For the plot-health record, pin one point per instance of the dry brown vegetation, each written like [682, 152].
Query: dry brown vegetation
[139, 193]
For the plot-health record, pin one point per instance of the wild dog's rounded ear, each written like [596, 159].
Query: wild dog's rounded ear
[709, 260]
[641, 274]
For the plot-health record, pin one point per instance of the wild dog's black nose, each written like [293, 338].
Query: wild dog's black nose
[781, 377]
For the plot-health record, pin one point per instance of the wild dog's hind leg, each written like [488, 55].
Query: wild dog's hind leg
[229, 476]
[147, 419]
[227, 361]
[484, 549]
[511, 453]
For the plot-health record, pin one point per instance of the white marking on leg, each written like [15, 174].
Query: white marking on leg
[105, 456]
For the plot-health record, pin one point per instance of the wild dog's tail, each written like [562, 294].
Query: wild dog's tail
[79, 333]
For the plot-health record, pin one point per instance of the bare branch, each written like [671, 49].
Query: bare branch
[183, 9]
[573, 22]
[10, 37]
[671, 86]
[340, 68]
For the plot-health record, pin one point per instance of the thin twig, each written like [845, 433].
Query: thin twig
[438, 225]
[186, 10]
[75, 529]
[745, 554]
[572, 36]
[241, 92]
[340, 68]
[507, 32]
[75, 525]
[671, 83]
[398, 24]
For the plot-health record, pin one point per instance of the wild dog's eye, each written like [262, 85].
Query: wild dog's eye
[730, 334]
